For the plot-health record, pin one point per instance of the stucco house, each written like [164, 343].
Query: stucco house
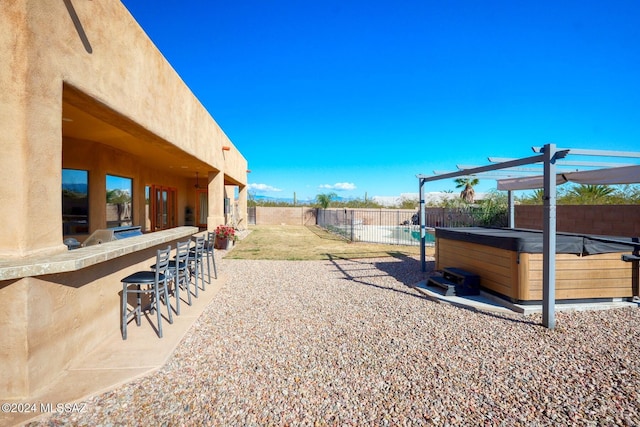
[98, 131]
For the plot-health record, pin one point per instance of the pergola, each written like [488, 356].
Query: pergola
[549, 156]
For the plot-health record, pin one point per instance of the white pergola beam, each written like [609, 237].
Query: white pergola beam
[571, 162]
[600, 153]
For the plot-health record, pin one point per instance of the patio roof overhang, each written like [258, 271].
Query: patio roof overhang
[84, 118]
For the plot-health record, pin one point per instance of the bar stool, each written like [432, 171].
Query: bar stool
[152, 283]
[180, 272]
[209, 252]
[195, 261]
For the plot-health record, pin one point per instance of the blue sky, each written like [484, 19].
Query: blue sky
[357, 97]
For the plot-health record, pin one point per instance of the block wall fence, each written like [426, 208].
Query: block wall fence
[303, 215]
[613, 220]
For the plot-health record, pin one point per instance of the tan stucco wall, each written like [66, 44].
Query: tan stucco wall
[14, 351]
[107, 56]
[29, 123]
[52, 51]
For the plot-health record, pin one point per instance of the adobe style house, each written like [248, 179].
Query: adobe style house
[98, 131]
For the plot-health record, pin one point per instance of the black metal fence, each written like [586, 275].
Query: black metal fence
[399, 227]
[251, 215]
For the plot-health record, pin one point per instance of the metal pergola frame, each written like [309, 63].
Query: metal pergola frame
[549, 155]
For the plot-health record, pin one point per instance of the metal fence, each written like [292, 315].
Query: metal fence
[398, 227]
[251, 215]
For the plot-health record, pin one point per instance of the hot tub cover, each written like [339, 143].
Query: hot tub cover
[531, 241]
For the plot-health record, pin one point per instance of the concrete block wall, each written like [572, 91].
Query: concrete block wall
[612, 220]
[303, 215]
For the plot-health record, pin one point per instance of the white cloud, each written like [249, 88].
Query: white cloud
[263, 187]
[345, 186]
[339, 186]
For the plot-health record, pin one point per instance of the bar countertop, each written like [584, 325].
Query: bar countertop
[77, 259]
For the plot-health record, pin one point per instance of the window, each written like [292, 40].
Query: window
[75, 201]
[119, 197]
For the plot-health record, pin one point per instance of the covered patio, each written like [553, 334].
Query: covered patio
[87, 95]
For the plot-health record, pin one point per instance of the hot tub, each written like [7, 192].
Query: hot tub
[509, 262]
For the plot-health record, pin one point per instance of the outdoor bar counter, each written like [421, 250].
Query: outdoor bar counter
[77, 259]
[510, 262]
[64, 305]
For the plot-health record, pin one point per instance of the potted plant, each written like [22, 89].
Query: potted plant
[225, 235]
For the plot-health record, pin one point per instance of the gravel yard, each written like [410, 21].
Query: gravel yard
[349, 342]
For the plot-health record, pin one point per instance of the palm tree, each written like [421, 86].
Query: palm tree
[325, 199]
[590, 193]
[468, 194]
[537, 196]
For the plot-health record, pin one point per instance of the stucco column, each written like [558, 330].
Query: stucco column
[30, 166]
[242, 207]
[216, 200]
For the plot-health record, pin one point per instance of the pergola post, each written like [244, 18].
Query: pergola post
[423, 228]
[549, 238]
[512, 209]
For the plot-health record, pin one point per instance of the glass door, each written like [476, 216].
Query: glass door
[163, 208]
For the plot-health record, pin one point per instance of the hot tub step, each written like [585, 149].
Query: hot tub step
[466, 283]
[448, 287]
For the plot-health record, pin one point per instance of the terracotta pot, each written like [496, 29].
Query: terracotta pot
[221, 243]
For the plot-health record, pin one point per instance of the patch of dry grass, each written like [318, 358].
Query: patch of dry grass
[291, 242]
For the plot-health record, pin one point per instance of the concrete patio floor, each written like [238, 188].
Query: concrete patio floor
[116, 361]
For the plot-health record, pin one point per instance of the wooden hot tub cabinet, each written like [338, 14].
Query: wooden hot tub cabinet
[509, 263]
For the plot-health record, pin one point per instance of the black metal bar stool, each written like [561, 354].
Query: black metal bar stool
[152, 283]
[180, 272]
[209, 252]
[195, 261]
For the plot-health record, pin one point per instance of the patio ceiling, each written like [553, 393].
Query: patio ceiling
[85, 119]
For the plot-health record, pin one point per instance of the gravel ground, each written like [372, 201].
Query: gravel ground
[350, 343]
